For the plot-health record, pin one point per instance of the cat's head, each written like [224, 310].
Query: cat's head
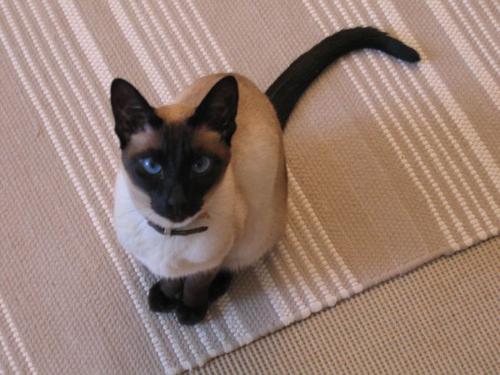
[175, 155]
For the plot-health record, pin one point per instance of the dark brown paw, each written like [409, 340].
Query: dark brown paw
[190, 315]
[220, 285]
[158, 301]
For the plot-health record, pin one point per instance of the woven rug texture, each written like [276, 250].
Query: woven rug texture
[390, 165]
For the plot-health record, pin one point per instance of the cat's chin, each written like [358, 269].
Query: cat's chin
[169, 224]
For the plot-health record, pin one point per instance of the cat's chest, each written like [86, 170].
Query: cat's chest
[178, 256]
[172, 256]
[166, 255]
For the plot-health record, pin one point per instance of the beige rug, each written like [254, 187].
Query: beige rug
[390, 166]
[439, 319]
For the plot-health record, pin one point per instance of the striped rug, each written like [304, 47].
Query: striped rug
[390, 165]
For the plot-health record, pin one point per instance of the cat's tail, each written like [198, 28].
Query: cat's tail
[290, 85]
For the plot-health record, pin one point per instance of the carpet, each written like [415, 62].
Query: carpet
[438, 319]
[390, 166]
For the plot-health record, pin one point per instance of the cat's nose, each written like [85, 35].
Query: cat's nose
[176, 197]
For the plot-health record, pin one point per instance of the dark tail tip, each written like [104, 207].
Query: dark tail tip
[289, 86]
[400, 50]
[408, 54]
[380, 40]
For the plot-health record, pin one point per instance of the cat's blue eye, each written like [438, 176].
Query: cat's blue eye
[150, 166]
[202, 165]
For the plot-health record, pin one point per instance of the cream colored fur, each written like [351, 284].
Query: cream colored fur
[245, 213]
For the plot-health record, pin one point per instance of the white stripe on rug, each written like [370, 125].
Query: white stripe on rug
[2, 369]
[195, 36]
[492, 42]
[451, 139]
[480, 231]
[157, 49]
[327, 243]
[471, 30]
[17, 338]
[178, 34]
[8, 354]
[304, 258]
[461, 120]
[442, 92]
[387, 133]
[141, 54]
[166, 41]
[416, 128]
[69, 168]
[464, 49]
[208, 34]
[107, 142]
[459, 226]
[76, 92]
[489, 13]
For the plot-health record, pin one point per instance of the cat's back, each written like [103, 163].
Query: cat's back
[253, 104]
[258, 166]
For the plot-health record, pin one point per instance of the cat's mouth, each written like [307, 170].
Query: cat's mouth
[177, 217]
[178, 213]
[174, 220]
[180, 216]
[157, 212]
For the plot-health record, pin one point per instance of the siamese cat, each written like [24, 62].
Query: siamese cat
[202, 190]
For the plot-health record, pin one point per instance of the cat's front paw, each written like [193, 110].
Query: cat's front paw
[190, 315]
[158, 301]
[220, 285]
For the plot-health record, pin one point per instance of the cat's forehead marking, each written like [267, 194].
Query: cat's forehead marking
[202, 139]
[174, 114]
[149, 138]
[177, 134]
[209, 140]
[144, 140]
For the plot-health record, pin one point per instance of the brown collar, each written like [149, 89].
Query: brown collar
[175, 231]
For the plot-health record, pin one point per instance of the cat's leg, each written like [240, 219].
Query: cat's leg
[199, 292]
[195, 297]
[220, 285]
[165, 295]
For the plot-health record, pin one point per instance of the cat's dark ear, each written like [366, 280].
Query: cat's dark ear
[218, 109]
[131, 111]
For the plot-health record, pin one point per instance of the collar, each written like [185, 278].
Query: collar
[176, 231]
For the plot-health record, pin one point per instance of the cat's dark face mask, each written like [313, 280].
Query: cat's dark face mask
[175, 160]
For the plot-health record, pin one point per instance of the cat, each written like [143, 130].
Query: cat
[202, 188]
